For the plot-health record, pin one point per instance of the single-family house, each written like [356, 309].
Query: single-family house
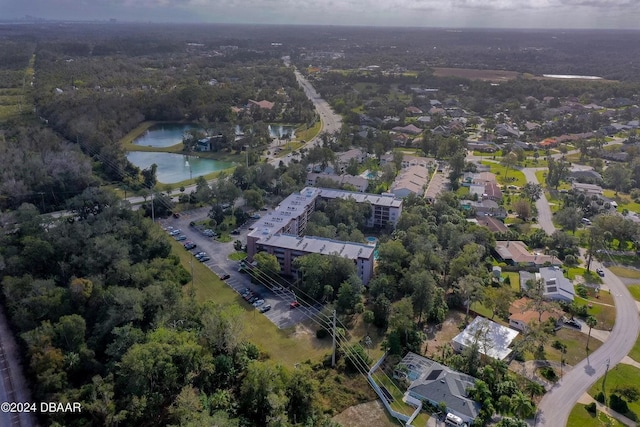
[435, 383]
[413, 110]
[492, 191]
[515, 252]
[264, 104]
[589, 189]
[555, 286]
[521, 314]
[441, 130]
[491, 339]
[484, 208]
[493, 224]
[409, 129]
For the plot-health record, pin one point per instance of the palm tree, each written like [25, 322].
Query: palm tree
[470, 289]
[534, 389]
[591, 322]
[521, 405]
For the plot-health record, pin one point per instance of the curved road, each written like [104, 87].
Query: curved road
[556, 405]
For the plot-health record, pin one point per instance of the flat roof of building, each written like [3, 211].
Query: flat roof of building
[320, 245]
[493, 339]
[374, 199]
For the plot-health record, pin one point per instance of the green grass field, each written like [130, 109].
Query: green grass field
[306, 134]
[579, 417]
[635, 291]
[635, 351]
[514, 176]
[623, 200]
[620, 375]
[625, 272]
[576, 343]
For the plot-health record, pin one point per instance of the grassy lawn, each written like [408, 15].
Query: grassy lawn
[576, 343]
[635, 291]
[541, 176]
[237, 256]
[605, 315]
[514, 176]
[306, 134]
[635, 351]
[623, 200]
[462, 191]
[515, 280]
[579, 417]
[288, 346]
[618, 376]
[396, 391]
[625, 272]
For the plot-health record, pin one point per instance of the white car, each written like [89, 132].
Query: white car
[258, 303]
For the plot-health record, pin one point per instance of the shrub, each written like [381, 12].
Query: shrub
[600, 397]
[582, 291]
[322, 333]
[617, 404]
[591, 407]
[548, 373]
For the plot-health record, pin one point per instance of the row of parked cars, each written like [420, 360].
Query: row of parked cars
[255, 299]
[188, 245]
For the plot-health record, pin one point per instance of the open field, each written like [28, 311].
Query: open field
[474, 74]
[576, 343]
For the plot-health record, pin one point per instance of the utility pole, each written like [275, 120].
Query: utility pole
[333, 329]
[604, 380]
[153, 212]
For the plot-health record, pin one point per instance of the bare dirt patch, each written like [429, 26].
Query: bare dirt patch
[441, 335]
[365, 415]
[475, 74]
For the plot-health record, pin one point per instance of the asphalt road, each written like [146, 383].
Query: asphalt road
[542, 204]
[556, 405]
[331, 122]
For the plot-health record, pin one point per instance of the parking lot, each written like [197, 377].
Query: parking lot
[280, 313]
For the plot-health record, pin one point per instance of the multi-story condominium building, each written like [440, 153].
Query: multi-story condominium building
[281, 232]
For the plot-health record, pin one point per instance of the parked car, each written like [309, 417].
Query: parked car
[264, 308]
[573, 324]
[175, 232]
[176, 215]
[200, 255]
[294, 304]
[253, 299]
[204, 258]
[255, 216]
[189, 245]
[235, 231]
[258, 303]
[209, 233]
[181, 237]
[600, 272]
[224, 276]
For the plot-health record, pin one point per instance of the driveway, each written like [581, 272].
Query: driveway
[542, 204]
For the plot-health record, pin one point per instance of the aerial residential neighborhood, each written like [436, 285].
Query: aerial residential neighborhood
[290, 225]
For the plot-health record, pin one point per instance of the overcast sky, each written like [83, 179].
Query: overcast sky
[429, 13]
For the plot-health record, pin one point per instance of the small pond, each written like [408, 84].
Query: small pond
[163, 135]
[174, 168]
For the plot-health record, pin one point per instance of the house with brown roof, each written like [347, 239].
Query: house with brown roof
[492, 191]
[414, 111]
[515, 252]
[521, 314]
[264, 104]
[412, 180]
[409, 129]
[493, 224]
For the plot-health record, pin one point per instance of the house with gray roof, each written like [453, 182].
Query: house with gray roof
[435, 383]
[555, 286]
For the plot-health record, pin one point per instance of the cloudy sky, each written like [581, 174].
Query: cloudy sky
[430, 13]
